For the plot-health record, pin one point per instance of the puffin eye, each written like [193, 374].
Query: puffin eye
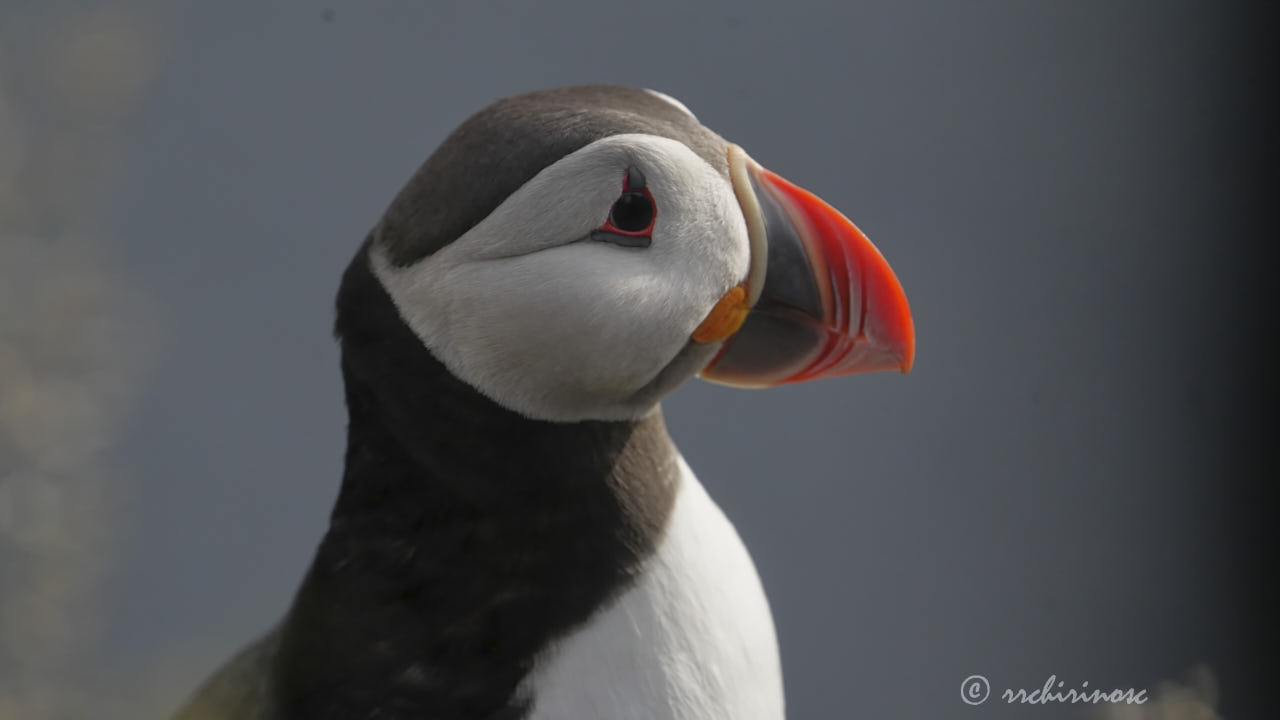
[630, 222]
[633, 212]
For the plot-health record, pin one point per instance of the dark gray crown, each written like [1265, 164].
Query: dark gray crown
[497, 150]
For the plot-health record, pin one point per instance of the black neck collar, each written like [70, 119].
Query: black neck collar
[465, 539]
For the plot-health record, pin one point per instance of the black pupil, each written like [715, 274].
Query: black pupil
[632, 212]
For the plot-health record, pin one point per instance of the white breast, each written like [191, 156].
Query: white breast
[691, 640]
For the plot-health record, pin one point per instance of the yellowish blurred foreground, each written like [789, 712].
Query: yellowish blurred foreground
[1193, 700]
[72, 344]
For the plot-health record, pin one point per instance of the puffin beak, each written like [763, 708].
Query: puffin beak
[820, 301]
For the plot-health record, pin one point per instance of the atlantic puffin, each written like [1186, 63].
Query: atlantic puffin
[516, 537]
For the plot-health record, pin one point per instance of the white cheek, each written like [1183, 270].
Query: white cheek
[574, 318]
[562, 334]
[700, 244]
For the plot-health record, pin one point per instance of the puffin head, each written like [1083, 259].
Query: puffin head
[577, 253]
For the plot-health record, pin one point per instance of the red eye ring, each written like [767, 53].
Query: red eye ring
[634, 213]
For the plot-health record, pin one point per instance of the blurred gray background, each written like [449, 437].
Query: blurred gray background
[1062, 486]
